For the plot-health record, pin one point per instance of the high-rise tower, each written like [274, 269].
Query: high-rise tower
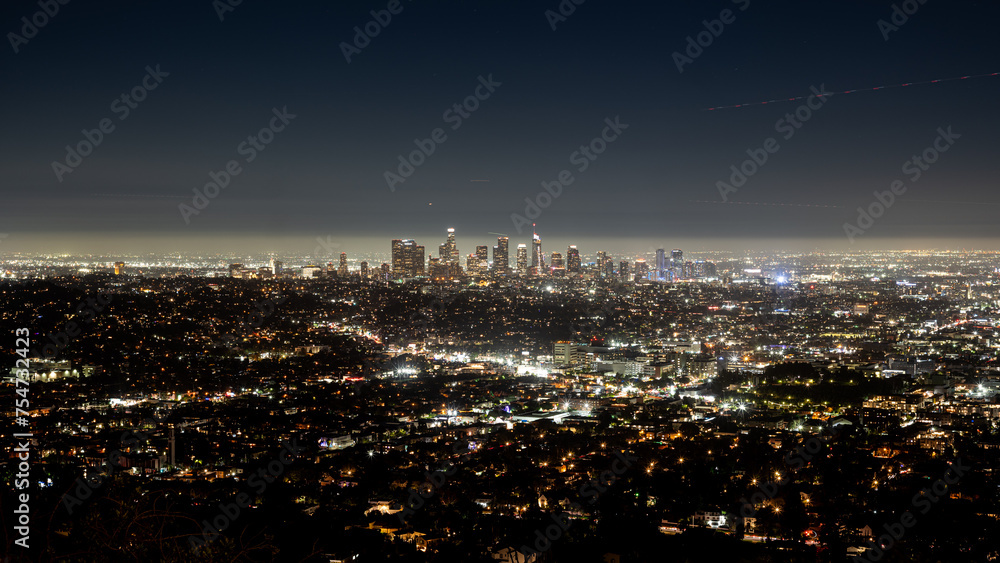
[448, 252]
[641, 269]
[482, 260]
[556, 266]
[407, 258]
[572, 260]
[537, 260]
[501, 258]
[676, 264]
[342, 270]
[602, 263]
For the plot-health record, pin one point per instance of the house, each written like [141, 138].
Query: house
[714, 520]
[512, 555]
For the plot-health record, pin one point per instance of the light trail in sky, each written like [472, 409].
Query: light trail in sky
[855, 91]
[764, 203]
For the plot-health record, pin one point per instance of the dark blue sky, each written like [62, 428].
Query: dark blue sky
[323, 174]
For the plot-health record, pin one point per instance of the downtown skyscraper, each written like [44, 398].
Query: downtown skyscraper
[573, 264]
[556, 266]
[407, 258]
[448, 252]
[501, 256]
[537, 260]
[641, 269]
[342, 268]
[478, 263]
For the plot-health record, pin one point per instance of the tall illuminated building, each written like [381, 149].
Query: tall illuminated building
[676, 264]
[398, 259]
[537, 260]
[453, 246]
[276, 267]
[448, 252]
[482, 259]
[522, 259]
[386, 272]
[119, 268]
[572, 260]
[557, 266]
[703, 269]
[342, 269]
[641, 269]
[623, 271]
[661, 264]
[365, 273]
[501, 257]
[436, 269]
[602, 263]
[407, 259]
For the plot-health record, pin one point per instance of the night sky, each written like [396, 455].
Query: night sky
[655, 185]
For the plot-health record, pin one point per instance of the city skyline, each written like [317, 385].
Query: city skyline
[391, 281]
